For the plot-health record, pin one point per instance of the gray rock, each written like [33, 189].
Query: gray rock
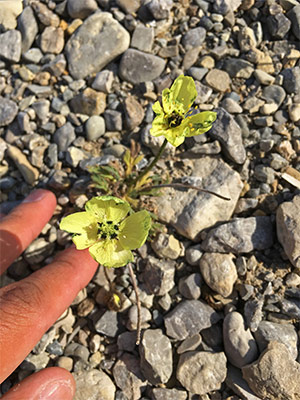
[294, 16]
[38, 250]
[52, 40]
[275, 375]
[33, 55]
[127, 369]
[99, 31]
[74, 155]
[253, 313]
[263, 77]
[167, 246]
[190, 286]
[142, 38]
[194, 38]
[156, 356]
[10, 45]
[246, 39]
[197, 73]
[108, 324]
[8, 111]
[113, 120]
[188, 318]
[278, 25]
[80, 9]
[235, 381]
[133, 318]
[193, 255]
[192, 211]
[137, 67]
[93, 384]
[29, 173]
[274, 94]
[239, 344]
[159, 276]
[103, 81]
[201, 372]
[204, 93]
[224, 6]
[238, 68]
[277, 161]
[288, 229]
[77, 350]
[64, 136]
[219, 272]
[291, 308]
[291, 82]
[45, 15]
[168, 394]
[282, 333]
[28, 27]
[229, 134]
[160, 9]
[218, 80]
[264, 174]
[57, 66]
[129, 6]
[241, 235]
[190, 344]
[94, 127]
[41, 108]
[231, 106]
[9, 12]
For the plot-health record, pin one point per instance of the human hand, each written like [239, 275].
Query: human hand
[29, 307]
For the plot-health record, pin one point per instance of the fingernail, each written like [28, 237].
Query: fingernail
[36, 195]
[60, 389]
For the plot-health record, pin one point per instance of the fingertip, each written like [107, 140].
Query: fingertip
[49, 384]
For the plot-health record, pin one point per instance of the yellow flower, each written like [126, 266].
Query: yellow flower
[175, 119]
[107, 231]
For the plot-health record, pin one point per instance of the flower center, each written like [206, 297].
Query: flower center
[107, 230]
[174, 120]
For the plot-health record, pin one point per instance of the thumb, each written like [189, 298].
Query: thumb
[48, 384]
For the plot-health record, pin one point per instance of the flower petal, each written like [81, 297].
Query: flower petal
[157, 108]
[200, 123]
[108, 208]
[110, 253]
[134, 230]
[180, 96]
[85, 240]
[78, 222]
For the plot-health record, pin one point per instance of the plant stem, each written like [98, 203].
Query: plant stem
[138, 304]
[151, 165]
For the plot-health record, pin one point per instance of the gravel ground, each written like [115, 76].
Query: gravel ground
[220, 287]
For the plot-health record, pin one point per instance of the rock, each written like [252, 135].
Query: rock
[94, 127]
[142, 38]
[201, 372]
[28, 27]
[240, 346]
[113, 120]
[192, 211]
[229, 134]
[133, 318]
[283, 333]
[253, 313]
[274, 94]
[103, 81]
[65, 362]
[127, 369]
[64, 136]
[238, 68]
[218, 80]
[275, 375]
[89, 102]
[134, 112]
[168, 394]
[45, 15]
[156, 356]
[81, 10]
[159, 276]
[38, 250]
[190, 286]
[188, 318]
[29, 173]
[10, 45]
[288, 229]
[246, 39]
[278, 25]
[193, 255]
[204, 93]
[160, 9]
[52, 40]
[98, 31]
[231, 106]
[74, 156]
[190, 344]
[9, 12]
[291, 81]
[264, 174]
[235, 381]
[194, 38]
[223, 7]
[241, 235]
[129, 6]
[108, 324]
[57, 66]
[219, 272]
[8, 111]
[294, 112]
[263, 78]
[93, 384]
[294, 16]
[77, 350]
[167, 246]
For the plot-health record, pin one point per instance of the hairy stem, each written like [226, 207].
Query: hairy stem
[138, 304]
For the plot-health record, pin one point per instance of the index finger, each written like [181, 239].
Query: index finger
[19, 228]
